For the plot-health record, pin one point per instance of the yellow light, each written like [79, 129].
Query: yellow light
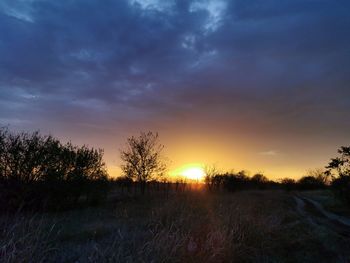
[191, 171]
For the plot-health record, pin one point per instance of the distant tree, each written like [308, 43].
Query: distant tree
[288, 184]
[314, 179]
[236, 181]
[339, 169]
[310, 183]
[143, 160]
[259, 180]
[320, 175]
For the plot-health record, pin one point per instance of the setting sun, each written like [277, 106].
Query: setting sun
[194, 173]
[190, 171]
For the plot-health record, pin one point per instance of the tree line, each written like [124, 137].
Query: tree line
[335, 177]
[41, 172]
[233, 181]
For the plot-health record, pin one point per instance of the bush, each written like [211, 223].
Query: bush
[40, 172]
[310, 183]
[288, 184]
[339, 169]
[237, 181]
[341, 187]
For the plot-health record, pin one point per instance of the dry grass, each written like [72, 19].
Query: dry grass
[191, 227]
[26, 238]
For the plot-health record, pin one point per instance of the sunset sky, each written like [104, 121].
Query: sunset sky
[261, 85]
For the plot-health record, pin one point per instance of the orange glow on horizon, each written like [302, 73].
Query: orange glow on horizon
[193, 172]
[228, 153]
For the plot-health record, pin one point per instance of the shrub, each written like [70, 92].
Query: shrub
[39, 171]
[341, 187]
[339, 169]
[310, 183]
[288, 184]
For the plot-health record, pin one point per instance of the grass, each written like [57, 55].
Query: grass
[247, 226]
[26, 238]
[328, 199]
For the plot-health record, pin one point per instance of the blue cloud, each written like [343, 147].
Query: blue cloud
[283, 61]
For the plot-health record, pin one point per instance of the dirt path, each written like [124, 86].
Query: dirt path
[302, 211]
[331, 216]
[317, 215]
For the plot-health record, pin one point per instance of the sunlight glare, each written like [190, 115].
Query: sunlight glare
[193, 173]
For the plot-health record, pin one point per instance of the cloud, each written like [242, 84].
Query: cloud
[269, 153]
[273, 66]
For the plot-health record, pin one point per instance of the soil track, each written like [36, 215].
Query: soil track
[316, 215]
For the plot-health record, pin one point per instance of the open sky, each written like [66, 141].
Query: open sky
[256, 84]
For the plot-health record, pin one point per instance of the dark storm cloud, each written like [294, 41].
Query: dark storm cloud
[109, 62]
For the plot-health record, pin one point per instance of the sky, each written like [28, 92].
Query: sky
[261, 85]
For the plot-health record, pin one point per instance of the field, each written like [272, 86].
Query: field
[193, 226]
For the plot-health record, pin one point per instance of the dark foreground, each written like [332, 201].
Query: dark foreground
[247, 226]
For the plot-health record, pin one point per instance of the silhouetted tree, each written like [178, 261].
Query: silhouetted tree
[314, 179]
[310, 183]
[339, 169]
[341, 165]
[259, 181]
[142, 157]
[232, 181]
[288, 184]
[41, 170]
[259, 178]
[236, 181]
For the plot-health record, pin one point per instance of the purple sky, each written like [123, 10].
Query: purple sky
[261, 85]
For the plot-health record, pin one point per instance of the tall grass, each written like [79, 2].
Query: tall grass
[249, 226]
[26, 238]
[194, 227]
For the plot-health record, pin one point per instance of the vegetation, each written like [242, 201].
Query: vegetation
[245, 226]
[339, 170]
[27, 238]
[143, 159]
[39, 172]
[231, 181]
[146, 218]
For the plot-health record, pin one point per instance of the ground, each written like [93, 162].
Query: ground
[194, 226]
